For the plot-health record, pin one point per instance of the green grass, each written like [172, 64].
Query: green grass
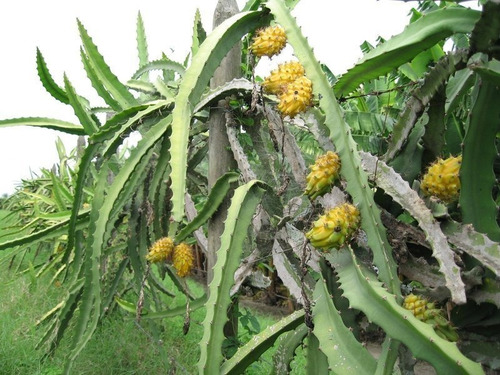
[119, 346]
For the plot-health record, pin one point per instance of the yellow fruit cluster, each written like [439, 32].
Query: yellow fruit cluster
[269, 41]
[335, 227]
[183, 259]
[419, 306]
[296, 98]
[288, 81]
[181, 255]
[427, 312]
[161, 250]
[323, 173]
[442, 179]
[280, 78]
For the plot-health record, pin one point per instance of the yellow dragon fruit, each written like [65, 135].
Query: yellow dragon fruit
[335, 227]
[427, 312]
[280, 78]
[442, 179]
[183, 259]
[323, 173]
[296, 98]
[161, 250]
[269, 41]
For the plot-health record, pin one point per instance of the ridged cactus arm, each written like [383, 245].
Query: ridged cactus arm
[102, 76]
[417, 37]
[258, 344]
[340, 134]
[419, 100]
[393, 184]
[104, 211]
[388, 357]
[161, 64]
[56, 230]
[47, 81]
[83, 168]
[115, 127]
[345, 354]
[239, 216]
[142, 42]
[44, 122]
[479, 151]
[473, 243]
[194, 82]
[81, 110]
[89, 309]
[365, 293]
[217, 195]
[286, 346]
[317, 361]
[237, 85]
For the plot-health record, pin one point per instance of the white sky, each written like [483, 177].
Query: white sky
[335, 29]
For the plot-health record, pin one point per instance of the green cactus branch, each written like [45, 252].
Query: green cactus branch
[477, 245]
[97, 83]
[103, 74]
[388, 357]
[286, 346]
[393, 184]
[82, 220]
[217, 195]
[199, 33]
[65, 311]
[366, 294]
[105, 207]
[91, 296]
[80, 108]
[239, 216]
[486, 31]
[83, 167]
[259, 343]
[194, 82]
[142, 42]
[477, 177]
[416, 37]
[47, 81]
[45, 122]
[420, 98]
[317, 361]
[340, 134]
[237, 85]
[345, 354]
[162, 64]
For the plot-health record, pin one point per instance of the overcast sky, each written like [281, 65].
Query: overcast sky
[335, 29]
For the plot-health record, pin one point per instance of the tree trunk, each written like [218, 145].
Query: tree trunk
[220, 157]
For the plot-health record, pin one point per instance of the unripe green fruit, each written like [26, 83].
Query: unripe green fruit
[427, 312]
